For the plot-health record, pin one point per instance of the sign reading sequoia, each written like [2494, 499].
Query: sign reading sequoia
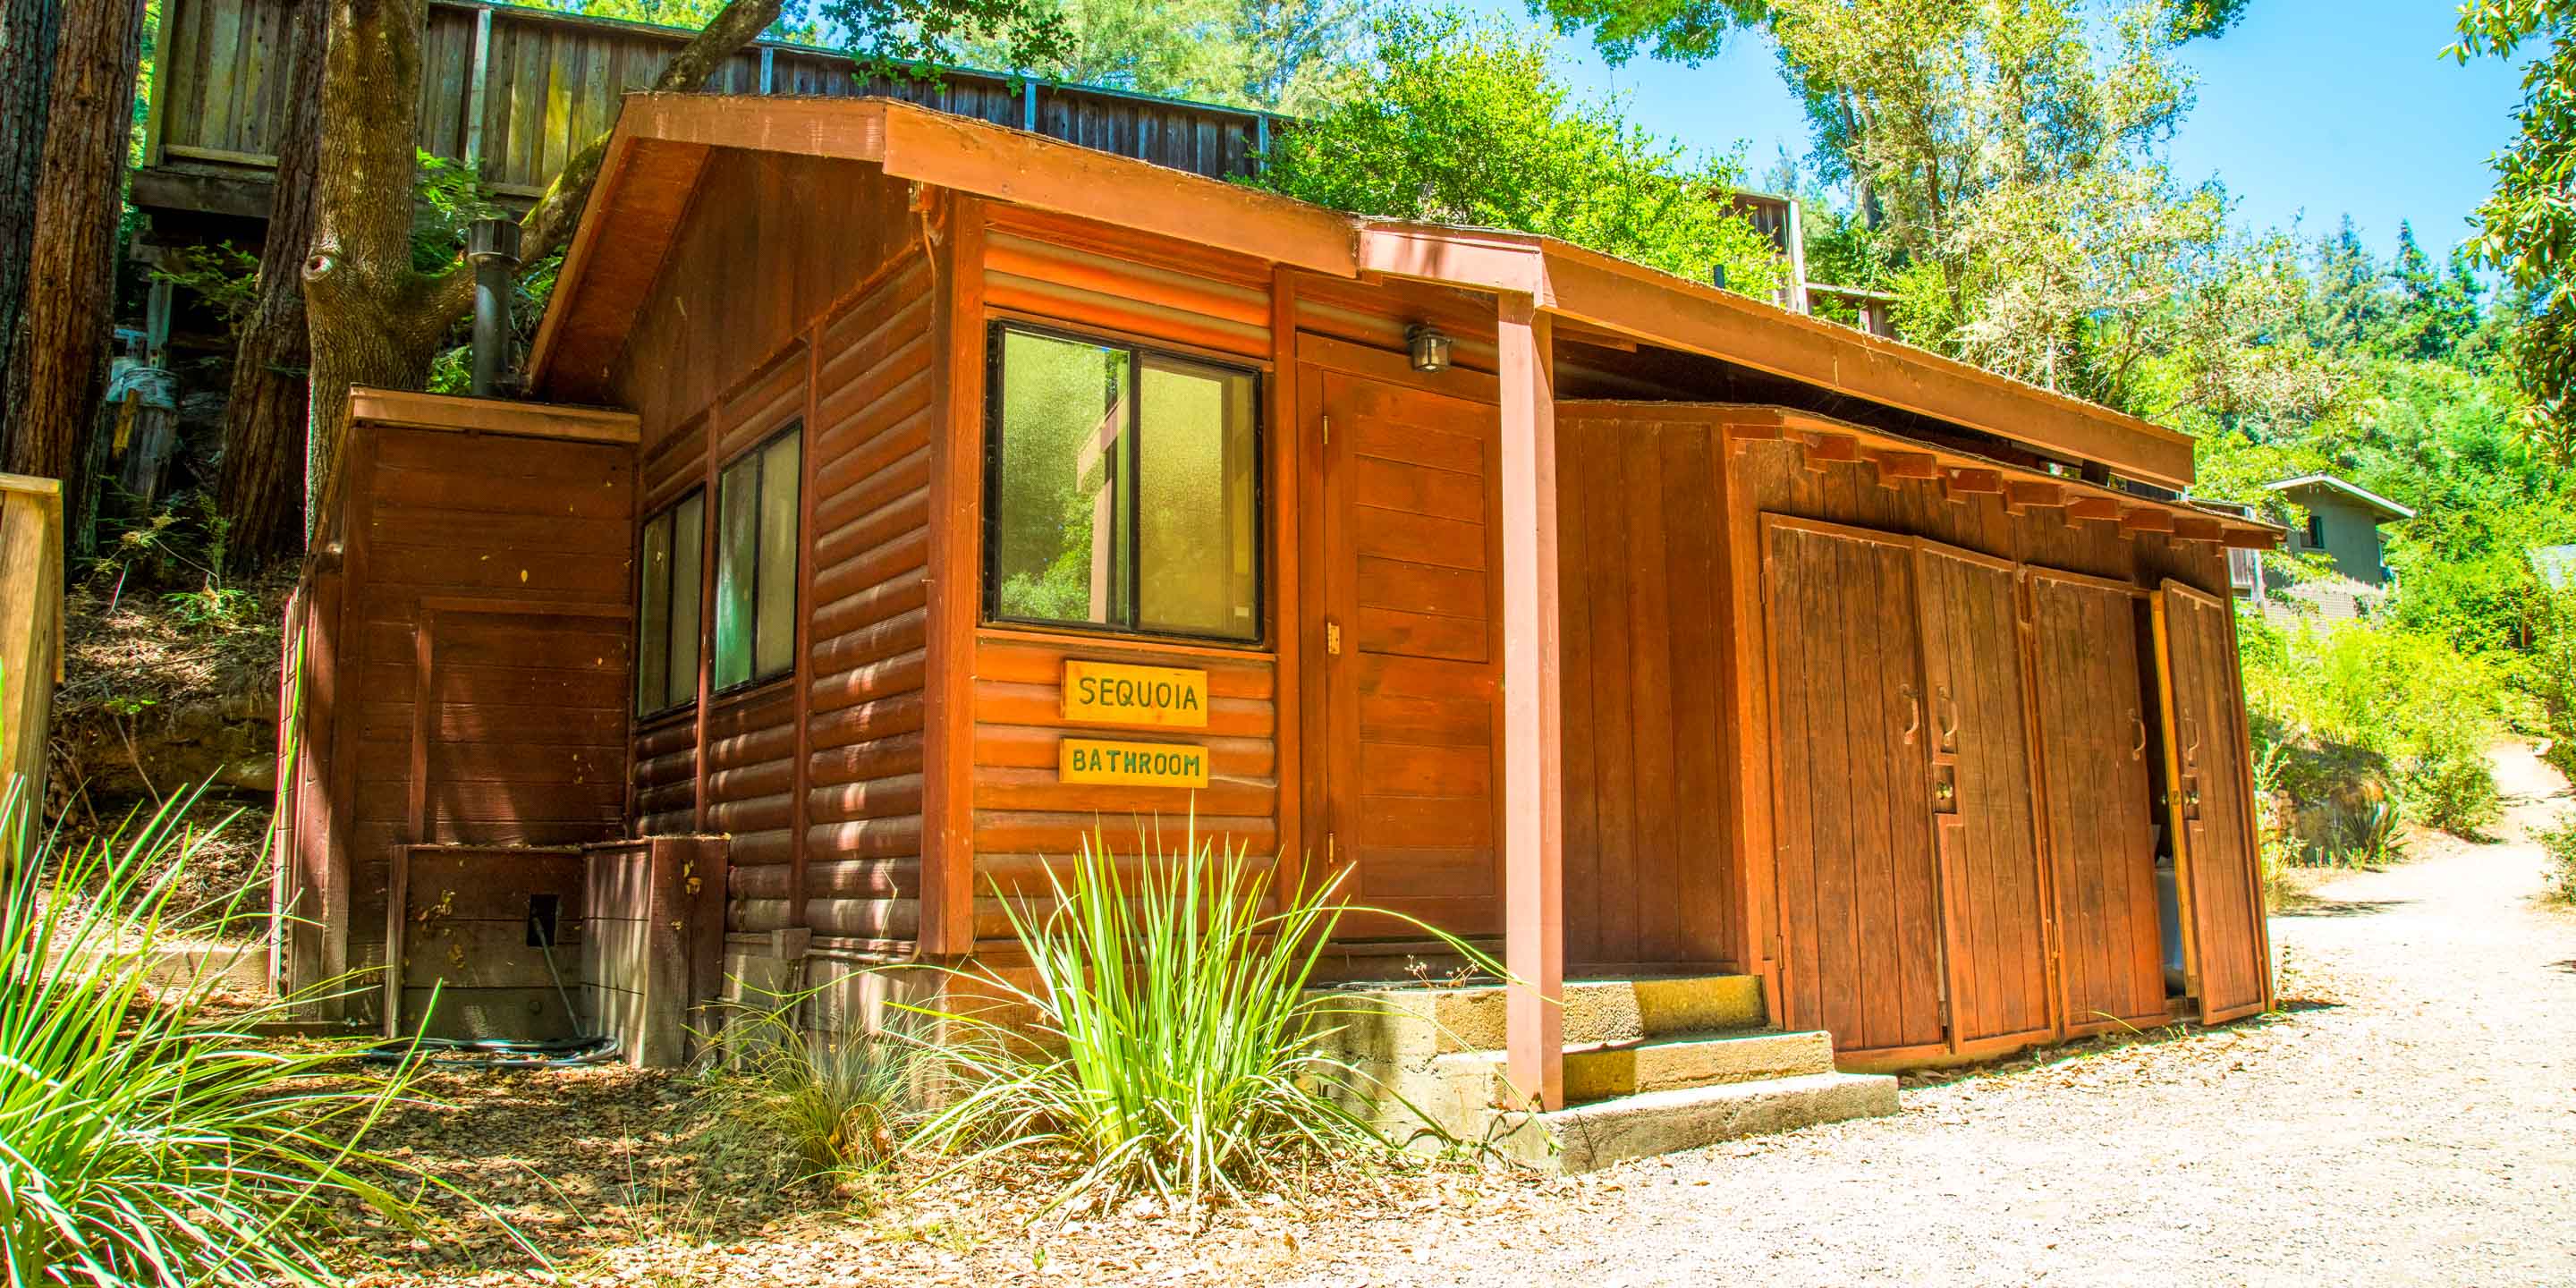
[1135, 764]
[1116, 694]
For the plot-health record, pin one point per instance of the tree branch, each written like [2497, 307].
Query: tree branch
[548, 225]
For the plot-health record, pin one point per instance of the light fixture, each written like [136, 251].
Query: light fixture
[1429, 345]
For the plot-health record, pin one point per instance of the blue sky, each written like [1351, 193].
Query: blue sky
[2316, 106]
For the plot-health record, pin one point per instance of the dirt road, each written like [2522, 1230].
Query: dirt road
[2420, 1129]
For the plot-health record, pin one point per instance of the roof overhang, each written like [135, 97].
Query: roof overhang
[2369, 500]
[655, 155]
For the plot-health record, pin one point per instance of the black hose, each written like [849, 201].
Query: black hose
[506, 1053]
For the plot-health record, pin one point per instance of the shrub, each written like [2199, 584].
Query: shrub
[2558, 851]
[142, 1140]
[1175, 1048]
[841, 1102]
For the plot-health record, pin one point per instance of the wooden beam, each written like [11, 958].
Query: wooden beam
[2250, 539]
[956, 514]
[1904, 465]
[2189, 528]
[2104, 508]
[2022, 493]
[1819, 450]
[2146, 518]
[1973, 481]
[414, 410]
[1533, 753]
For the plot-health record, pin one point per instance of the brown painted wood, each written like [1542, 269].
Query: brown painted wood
[2210, 805]
[1859, 887]
[2092, 712]
[1422, 842]
[1995, 911]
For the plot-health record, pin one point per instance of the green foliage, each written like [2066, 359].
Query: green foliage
[2527, 229]
[2558, 856]
[2401, 708]
[1296, 56]
[144, 1138]
[223, 277]
[842, 1104]
[1175, 1049]
[1465, 124]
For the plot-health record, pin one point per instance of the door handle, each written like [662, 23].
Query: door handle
[2190, 738]
[1950, 726]
[1913, 714]
[2138, 749]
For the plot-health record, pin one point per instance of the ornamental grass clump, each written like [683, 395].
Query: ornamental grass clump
[1168, 1044]
[143, 1138]
[842, 1103]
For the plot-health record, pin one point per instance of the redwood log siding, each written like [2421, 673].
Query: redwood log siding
[1650, 868]
[1155, 292]
[869, 452]
[770, 244]
[523, 742]
[1378, 314]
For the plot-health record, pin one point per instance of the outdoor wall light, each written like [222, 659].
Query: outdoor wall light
[1430, 347]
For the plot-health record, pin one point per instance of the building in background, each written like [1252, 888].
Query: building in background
[2342, 523]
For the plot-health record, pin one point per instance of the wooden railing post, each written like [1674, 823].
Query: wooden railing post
[1533, 785]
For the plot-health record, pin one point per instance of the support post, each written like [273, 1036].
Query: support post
[1533, 781]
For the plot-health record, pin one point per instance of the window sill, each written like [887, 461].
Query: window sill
[748, 690]
[1160, 645]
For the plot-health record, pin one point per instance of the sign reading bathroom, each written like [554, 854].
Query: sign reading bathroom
[1132, 764]
[1112, 693]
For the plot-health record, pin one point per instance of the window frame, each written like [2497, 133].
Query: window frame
[669, 510]
[758, 454]
[1137, 351]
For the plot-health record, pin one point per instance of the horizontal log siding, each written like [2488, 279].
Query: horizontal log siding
[527, 742]
[1025, 819]
[870, 449]
[1151, 289]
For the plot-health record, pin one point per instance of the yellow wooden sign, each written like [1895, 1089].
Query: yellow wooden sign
[1116, 694]
[1132, 764]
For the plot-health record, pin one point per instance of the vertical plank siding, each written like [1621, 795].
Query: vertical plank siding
[520, 737]
[553, 82]
[2211, 809]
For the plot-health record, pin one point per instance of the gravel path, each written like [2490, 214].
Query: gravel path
[2412, 1120]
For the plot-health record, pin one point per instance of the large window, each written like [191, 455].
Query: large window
[1124, 489]
[756, 503]
[672, 573]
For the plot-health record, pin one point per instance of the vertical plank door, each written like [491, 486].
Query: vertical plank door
[2210, 804]
[1412, 654]
[1995, 912]
[1860, 899]
[2098, 814]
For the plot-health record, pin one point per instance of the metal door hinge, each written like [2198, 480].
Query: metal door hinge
[1332, 637]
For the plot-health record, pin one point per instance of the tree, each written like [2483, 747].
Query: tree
[1466, 125]
[1295, 56]
[59, 367]
[2527, 228]
[376, 318]
[265, 411]
[27, 32]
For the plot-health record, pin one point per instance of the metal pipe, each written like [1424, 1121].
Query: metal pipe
[492, 246]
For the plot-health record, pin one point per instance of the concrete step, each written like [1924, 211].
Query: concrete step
[1599, 1071]
[1582, 1138]
[1411, 1023]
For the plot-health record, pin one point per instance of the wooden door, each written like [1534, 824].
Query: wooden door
[2089, 698]
[1412, 652]
[1859, 890]
[2209, 802]
[1994, 908]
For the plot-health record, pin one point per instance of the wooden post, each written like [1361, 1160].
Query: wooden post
[1533, 780]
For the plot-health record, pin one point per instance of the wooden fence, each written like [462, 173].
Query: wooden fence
[31, 626]
[516, 92]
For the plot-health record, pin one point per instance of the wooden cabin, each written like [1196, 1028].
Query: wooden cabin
[962, 488]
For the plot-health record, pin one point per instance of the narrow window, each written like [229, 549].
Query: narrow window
[669, 567]
[1124, 491]
[756, 534]
[2316, 531]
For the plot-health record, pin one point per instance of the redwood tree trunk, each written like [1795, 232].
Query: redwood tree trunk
[26, 74]
[375, 320]
[261, 485]
[60, 368]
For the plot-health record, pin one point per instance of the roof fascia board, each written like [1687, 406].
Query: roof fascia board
[577, 256]
[412, 409]
[1501, 262]
[1639, 301]
[2386, 506]
[1048, 174]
